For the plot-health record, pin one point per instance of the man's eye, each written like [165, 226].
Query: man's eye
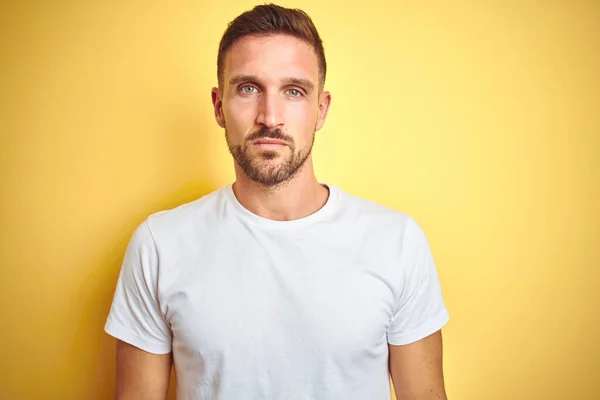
[294, 92]
[248, 89]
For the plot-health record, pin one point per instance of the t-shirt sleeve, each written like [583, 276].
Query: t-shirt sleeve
[135, 316]
[420, 308]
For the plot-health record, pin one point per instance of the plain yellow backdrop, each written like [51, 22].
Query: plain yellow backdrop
[478, 118]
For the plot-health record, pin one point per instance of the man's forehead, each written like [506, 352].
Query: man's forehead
[274, 56]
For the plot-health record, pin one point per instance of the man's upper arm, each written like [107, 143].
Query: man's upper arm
[141, 375]
[416, 369]
[138, 322]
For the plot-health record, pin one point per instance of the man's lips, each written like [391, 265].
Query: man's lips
[269, 142]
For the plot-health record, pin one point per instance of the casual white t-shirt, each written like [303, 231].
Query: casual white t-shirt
[259, 309]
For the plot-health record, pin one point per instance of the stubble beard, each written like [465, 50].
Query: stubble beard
[261, 168]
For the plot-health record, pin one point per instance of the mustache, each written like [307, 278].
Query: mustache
[266, 133]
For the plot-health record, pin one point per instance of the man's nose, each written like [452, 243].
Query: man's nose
[270, 111]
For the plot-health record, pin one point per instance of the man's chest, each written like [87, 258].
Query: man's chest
[272, 303]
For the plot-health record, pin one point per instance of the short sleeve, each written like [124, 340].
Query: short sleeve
[420, 308]
[135, 316]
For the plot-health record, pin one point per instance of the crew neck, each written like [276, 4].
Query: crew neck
[295, 223]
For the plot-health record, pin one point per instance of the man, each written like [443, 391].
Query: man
[277, 286]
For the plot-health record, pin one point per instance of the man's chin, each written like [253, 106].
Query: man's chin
[268, 175]
[268, 155]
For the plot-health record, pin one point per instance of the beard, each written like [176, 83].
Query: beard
[261, 168]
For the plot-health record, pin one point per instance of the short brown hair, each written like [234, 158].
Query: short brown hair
[270, 19]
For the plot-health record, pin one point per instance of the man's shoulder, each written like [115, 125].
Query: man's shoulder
[372, 209]
[190, 214]
[380, 219]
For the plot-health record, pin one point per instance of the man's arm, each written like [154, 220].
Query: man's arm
[416, 369]
[141, 375]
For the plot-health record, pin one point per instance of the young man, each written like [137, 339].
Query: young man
[277, 286]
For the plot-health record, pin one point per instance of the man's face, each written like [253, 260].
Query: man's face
[270, 105]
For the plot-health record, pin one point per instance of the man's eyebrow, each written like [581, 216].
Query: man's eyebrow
[242, 78]
[305, 83]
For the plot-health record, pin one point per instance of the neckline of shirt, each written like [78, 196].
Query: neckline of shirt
[312, 218]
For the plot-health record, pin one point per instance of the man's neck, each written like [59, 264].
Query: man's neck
[297, 198]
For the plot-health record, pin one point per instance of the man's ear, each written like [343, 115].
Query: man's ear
[217, 101]
[324, 103]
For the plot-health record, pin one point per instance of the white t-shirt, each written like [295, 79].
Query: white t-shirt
[259, 309]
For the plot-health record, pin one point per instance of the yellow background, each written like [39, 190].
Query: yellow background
[479, 118]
